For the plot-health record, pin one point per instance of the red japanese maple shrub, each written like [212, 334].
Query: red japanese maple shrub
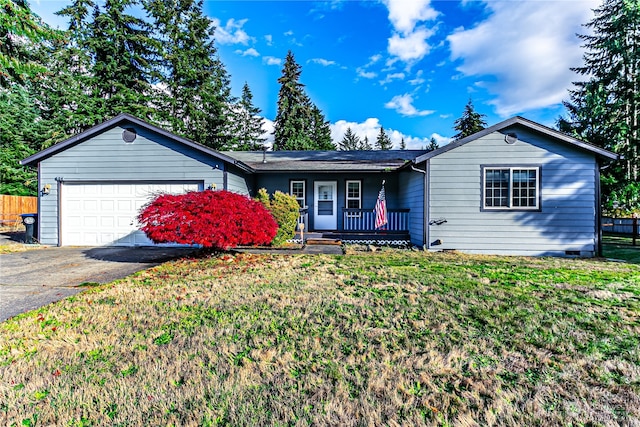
[213, 219]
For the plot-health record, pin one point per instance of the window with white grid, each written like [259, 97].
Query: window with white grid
[298, 190]
[354, 197]
[511, 188]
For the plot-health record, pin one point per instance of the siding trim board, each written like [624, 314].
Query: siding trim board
[128, 118]
[520, 121]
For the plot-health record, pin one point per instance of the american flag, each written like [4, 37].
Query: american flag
[381, 209]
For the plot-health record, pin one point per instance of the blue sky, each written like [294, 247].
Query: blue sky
[408, 65]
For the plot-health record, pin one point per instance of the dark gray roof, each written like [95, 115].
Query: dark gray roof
[536, 127]
[326, 161]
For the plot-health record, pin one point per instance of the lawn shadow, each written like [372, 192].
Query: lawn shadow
[140, 254]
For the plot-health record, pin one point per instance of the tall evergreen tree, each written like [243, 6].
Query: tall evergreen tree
[350, 141]
[292, 118]
[123, 53]
[403, 145]
[194, 97]
[605, 109]
[65, 94]
[469, 123]
[383, 142]
[320, 131]
[22, 132]
[433, 144]
[20, 32]
[247, 124]
[299, 124]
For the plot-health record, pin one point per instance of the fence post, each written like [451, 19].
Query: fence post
[635, 230]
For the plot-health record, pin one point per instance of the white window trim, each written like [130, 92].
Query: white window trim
[304, 191]
[359, 198]
[485, 168]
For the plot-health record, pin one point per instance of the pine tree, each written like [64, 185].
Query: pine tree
[247, 124]
[469, 123]
[20, 32]
[350, 141]
[65, 94]
[383, 142]
[605, 109]
[365, 145]
[403, 145]
[293, 115]
[432, 144]
[22, 133]
[320, 131]
[123, 52]
[299, 124]
[194, 98]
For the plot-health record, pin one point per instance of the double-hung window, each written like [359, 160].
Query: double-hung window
[298, 190]
[354, 197]
[511, 188]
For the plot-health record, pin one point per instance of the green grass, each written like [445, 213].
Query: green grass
[386, 338]
[620, 247]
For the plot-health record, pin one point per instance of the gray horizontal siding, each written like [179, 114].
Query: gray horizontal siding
[237, 183]
[566, 221]
[106, 157]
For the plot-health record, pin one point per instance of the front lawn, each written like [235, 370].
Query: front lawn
[384, 338]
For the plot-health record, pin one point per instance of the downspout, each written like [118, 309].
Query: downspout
[598, 211]
[426, 207]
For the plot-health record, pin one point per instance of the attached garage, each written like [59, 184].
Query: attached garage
[94, 184]
[104, 213]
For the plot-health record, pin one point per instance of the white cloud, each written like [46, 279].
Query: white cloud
[373, 59]
[392, 77]
[408, 42]
[322, 61]
[365, 74]
[269, 39]
[412, 46]
[522, 53]
[440, 140]
[249, 52]
[288, 33]
[405, 14]
[371, 128]
[231, 32]
[271, 60]
[403, 104]
[268, 127]
[418, 80]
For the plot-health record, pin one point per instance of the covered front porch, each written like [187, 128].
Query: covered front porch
[358, 226]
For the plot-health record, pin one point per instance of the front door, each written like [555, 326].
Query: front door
[325, 211]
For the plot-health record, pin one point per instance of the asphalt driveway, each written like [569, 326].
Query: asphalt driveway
[38, 277]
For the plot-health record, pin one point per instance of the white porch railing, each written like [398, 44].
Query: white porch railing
[365, 220]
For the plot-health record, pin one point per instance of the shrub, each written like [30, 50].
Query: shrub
[213, 219]
[285, 209]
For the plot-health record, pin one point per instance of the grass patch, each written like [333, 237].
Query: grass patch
[385, 338]
[621, 247]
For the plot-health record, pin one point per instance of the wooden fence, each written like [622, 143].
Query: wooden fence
[13, 206]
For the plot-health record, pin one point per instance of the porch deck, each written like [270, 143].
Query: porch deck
[359, 227]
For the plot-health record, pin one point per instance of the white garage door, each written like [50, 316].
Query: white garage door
[104, 214]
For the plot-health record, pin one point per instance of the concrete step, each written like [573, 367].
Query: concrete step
[322, 241]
